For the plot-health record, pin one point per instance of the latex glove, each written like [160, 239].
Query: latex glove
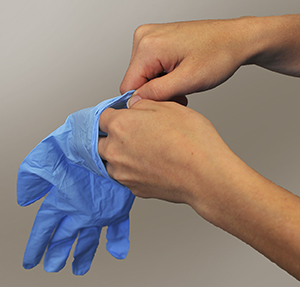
[81, 197]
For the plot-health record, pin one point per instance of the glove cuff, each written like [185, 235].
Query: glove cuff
[116, 103]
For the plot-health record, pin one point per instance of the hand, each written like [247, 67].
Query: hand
[176, 59]
[190, 56]
[81, 197]
[160, 149]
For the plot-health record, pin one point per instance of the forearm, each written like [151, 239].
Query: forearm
[257, 211]
[191, 164]
[273, 43]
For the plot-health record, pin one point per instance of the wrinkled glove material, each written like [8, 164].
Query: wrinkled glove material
[81, 198]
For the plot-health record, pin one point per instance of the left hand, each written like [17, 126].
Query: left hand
[161, 149]
[166, 151]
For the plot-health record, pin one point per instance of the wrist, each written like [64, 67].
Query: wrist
[215, 197]
[252, 38]
[255, 210]
[273, 43]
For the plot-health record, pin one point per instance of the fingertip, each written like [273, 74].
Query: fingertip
[80, 271]
[118, 250]
[21, 202]
[119, 256]
[132, 100]
[53, 268]
[28, 265]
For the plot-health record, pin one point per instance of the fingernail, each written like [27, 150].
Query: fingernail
[133, 100]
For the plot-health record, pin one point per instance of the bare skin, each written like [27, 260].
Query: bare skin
[200, 55]
[167, 151]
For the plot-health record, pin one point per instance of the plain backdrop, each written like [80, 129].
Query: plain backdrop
[59, 56]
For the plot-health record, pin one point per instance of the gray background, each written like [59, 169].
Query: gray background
[60, 56]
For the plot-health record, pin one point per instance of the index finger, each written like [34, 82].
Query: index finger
[141, 70]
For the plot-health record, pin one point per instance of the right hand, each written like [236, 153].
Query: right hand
[191, 56]
[175, 59]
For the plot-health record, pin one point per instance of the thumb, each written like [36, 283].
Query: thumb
[167, 87]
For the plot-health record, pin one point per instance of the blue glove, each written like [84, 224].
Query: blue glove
[81, 197]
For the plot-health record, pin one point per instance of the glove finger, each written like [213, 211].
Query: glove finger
[45, 222]
[30, 187]
[87, 243]
[117, 236]
[60, 245]
[36, 172]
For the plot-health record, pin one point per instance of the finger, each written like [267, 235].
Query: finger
[45, 222]
[31, 183]
[117, 236]
[140, 72]
[134, 76]
[87, 243]
[177, 83]
[132, 81]
[139, 34]
[31, 186]
[60, 246]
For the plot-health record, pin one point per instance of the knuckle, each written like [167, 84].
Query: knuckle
[147, 42]
[116, 121]
[141, 31]
[146, 37]
[116, 126]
